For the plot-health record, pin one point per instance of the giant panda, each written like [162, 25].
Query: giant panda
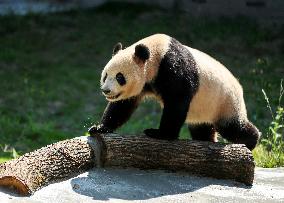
[191, 87]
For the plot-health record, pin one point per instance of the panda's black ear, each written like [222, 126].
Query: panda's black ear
[142, 52]
[116, 48]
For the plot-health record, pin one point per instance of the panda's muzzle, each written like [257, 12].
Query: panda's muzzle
[110, 97]
[106, 93]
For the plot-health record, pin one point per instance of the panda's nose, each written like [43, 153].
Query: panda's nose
[106, 91]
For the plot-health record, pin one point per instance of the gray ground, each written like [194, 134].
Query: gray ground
[123, 185]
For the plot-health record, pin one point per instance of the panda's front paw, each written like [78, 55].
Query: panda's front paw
[98, 129]
[153, 133]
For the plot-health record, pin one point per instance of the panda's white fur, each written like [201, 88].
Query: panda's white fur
[219, 95]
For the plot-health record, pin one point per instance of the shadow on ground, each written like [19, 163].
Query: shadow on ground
[134, 184]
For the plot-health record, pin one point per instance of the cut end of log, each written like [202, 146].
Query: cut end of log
[55, 162]
[13, 184]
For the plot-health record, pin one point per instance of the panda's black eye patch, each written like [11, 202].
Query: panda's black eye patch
[120, 79]
[104, 79]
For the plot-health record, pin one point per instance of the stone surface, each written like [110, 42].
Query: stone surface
[123, 185]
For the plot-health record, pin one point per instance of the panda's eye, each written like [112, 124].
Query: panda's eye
[120, 79]
[104, 79]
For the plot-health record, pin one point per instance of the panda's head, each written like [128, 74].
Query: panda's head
[124, 75]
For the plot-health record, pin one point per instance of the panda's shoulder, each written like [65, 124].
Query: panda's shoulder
[154, 40]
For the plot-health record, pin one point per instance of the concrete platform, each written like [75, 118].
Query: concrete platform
[124, 185]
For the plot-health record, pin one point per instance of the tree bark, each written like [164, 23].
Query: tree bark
[68, 158]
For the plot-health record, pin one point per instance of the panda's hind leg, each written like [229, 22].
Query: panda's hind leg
[240, 132]
[203, 132]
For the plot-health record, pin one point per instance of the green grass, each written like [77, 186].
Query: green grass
[50, 67]
[269, 152]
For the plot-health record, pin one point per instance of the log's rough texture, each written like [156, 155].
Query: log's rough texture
[54, 162]
[67, 158]
[217, 160]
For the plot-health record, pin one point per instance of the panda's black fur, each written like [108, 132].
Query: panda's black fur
[176, 82]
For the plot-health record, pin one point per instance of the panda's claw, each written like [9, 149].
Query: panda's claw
[98, 129]
[93, 130]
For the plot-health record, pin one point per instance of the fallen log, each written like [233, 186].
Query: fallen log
[68, 158]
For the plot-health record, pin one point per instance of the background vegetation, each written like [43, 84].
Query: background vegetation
[50, 67]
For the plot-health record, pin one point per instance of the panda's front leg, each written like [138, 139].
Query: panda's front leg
[173, 117]
[115, 115]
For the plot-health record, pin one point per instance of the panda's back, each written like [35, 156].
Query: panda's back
[219, 95]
